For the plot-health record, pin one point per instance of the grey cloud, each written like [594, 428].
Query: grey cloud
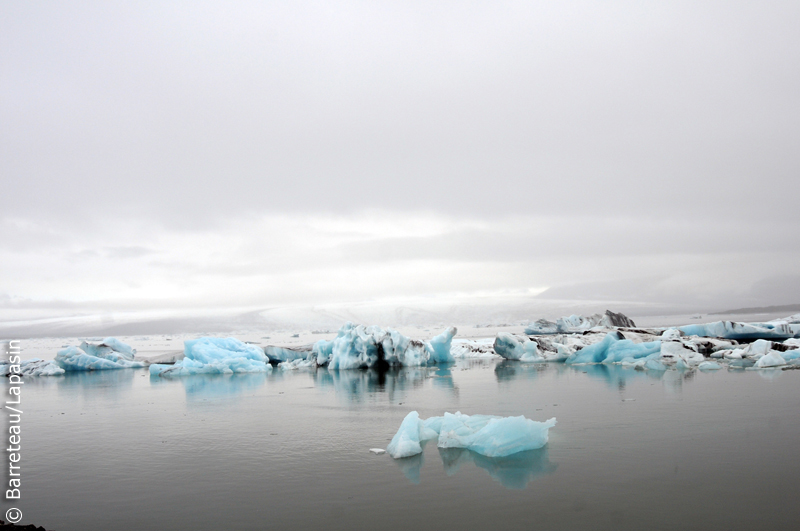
[188, 113]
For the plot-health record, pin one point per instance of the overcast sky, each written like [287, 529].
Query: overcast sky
[234, 154]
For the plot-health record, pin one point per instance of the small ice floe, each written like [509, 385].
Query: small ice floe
[377, 451]
[487, 435]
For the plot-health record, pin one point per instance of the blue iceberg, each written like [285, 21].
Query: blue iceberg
[487, 435]
[361, 347]
[438, 348]
[111, 353]
[31, 367]
[215, 355]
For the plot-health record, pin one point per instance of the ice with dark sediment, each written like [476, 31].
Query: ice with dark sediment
[596, 340]
[578, 323]
[358, 347]
[282, 354]
[31, 367]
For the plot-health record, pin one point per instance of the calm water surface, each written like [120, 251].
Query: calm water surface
[118, 450]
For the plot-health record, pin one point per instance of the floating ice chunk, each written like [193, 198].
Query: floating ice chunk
[321, 351]
[487, 435]
[628, 349]
[578, 323]
[377, 451]
[357, 346]
[676, 352]
[513, 348]
[281, 354]
[758, 348]
[473, 349]
[792, 343]
[119, 346]
[215, 355]
[188, 366]
[211, 349]
[509, 435]
[542, 327]
[791, 355]
[671, 334]
[406, 442]
[76, 359]
[31, 367]
[773, 359]
[734, 354]
[709, 366]
[595, 353]
[438, 347]
[734, 330]
[296, 364]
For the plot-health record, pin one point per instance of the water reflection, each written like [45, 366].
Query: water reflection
[513, 471]
[412, 466]
[357, 385]
[215, 386]
[102, 385]
[615, 376]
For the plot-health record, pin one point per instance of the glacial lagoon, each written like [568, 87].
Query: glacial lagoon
[632, 449]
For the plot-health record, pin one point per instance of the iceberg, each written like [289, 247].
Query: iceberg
[281, 354]
[32, 367]
[487, 435]
[406, 442]
[535, 349]
[215, 355]
[513, 348]
[102, 356]
[773, 359]
[579, 323]
[438, 347]
[734, 330]
[614, 348]
[360, 347]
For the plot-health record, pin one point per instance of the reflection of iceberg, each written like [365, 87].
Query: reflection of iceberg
[202, 386]
[356, 385]
[412, 466]
[513, 471]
